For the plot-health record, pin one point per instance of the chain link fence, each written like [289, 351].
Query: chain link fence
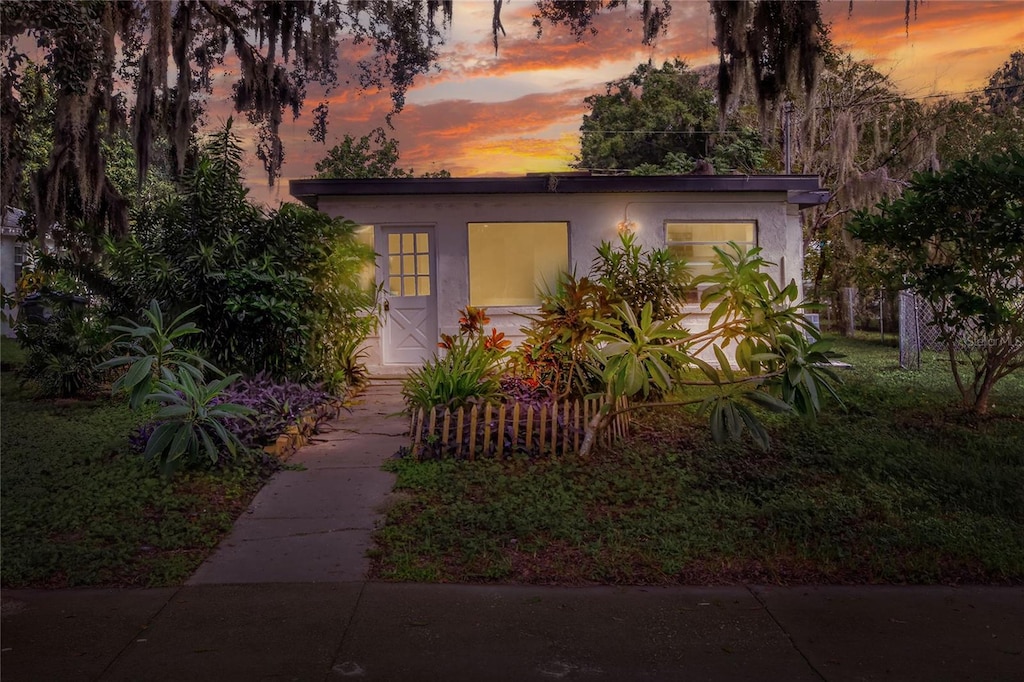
[892, 315]
[849, 310]
[917, 330]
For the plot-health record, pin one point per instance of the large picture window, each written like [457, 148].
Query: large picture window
[694, 242]
[509, 262]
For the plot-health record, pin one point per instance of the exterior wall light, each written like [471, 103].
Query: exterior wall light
[626, 226]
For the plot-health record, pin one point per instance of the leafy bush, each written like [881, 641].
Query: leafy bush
[956, 238]
[276, 404]
[61, 354]
[279, 292]
[149, 349]
[780, 369]
[467, 372]
[637, 276]
[554, 352]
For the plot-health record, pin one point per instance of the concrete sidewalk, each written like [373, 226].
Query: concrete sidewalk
[285, 597]
[377, 631]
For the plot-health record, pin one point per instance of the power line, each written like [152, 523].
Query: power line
[898, 99]
[717, 131]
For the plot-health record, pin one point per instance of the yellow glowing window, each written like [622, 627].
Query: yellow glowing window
[510, 262]
[368, 277]
[695, 242]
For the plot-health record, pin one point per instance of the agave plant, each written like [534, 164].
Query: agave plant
[193, 420]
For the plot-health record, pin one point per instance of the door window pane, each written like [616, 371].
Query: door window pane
[409, 264]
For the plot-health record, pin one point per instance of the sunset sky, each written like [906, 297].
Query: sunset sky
[520, 110]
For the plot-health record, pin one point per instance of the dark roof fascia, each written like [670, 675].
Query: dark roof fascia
[805, 190]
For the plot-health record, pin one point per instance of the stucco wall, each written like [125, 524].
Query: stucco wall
[591, 218]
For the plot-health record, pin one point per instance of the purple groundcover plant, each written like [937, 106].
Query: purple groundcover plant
[525, 391]
[139, 436]
[278, 403]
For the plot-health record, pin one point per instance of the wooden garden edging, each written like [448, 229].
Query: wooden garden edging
[299, 433]
[505, 429]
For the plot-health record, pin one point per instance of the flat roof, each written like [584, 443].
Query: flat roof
[804, 190]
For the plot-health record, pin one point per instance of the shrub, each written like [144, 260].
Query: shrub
[554, 353]
[637, 277]
[467, 372]
[61, 353]
[193, 421]
[279, 292]
[150, 351]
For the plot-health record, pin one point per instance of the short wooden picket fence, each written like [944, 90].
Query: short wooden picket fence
[505, 429]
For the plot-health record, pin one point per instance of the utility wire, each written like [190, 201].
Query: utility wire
[940, 95]
[717, 131]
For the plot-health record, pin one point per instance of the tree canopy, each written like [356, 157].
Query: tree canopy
[148, 65]
[371, 156]
[94, 49]
[663, 119]
[957, 239]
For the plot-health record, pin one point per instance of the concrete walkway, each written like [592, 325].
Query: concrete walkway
[314, 525]
[285, 598]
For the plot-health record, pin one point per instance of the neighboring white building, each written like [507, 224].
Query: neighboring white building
[445, 243]
[11, 255]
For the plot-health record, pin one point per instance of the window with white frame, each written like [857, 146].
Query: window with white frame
[509, 263]
[694, 242]
[19, 260]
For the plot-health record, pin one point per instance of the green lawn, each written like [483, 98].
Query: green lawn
[11, 354]
[79, 509]
[900, 487]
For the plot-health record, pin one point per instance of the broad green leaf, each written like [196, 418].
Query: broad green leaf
[720, 310]
[211, 449]
[179, 444]
[140, 371]
[757, 431]
[767, 401]
[173, 412]
[723, 363]
[139, 395]
[717, 422]
[160, 439]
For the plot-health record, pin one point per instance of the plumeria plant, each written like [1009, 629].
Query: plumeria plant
[782, 364]
[149, 349]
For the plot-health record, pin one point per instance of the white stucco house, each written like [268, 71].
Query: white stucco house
[445, 243]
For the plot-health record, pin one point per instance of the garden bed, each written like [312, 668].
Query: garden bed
[299, 434]
[900, 487]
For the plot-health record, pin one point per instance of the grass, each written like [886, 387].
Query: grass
[900, 487]
[11, 354]
[79, 509]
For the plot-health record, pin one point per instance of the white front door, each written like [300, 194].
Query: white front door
[410, 321]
